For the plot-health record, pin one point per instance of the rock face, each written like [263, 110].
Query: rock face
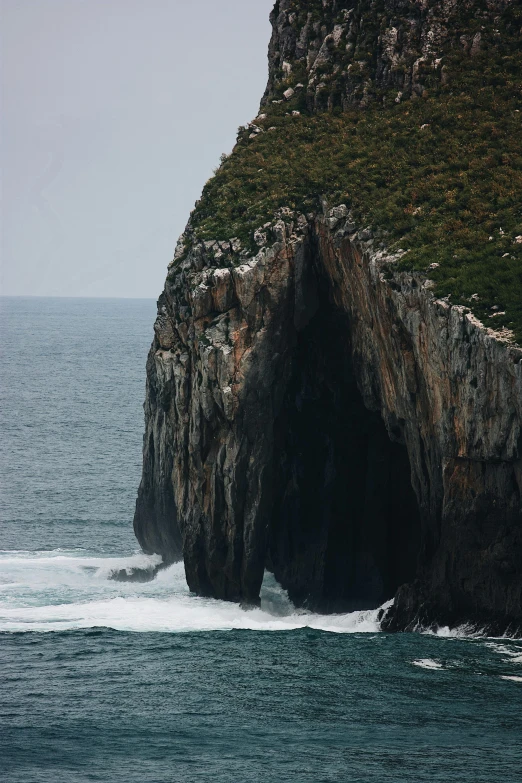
[452, 393]
[347, 53]
[313, 411]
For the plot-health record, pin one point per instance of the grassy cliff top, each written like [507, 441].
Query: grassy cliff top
[441, 174]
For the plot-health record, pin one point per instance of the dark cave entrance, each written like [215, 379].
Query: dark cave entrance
[345, 528]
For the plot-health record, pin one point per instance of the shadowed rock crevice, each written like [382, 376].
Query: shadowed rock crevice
[345, 528]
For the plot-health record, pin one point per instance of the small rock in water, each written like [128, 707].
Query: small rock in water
[136, 574]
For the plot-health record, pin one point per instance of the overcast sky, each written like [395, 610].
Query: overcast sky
[114, 114]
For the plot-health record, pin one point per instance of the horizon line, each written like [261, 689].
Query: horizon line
[64, 296]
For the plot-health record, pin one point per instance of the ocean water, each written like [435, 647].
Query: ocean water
[103, 680]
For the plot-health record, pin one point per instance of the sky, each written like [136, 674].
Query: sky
[114, 115]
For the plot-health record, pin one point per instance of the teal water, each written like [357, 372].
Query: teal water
[112, 681]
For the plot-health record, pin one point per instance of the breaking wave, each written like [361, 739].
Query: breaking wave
[68, 589]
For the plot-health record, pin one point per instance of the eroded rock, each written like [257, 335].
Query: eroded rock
[412, 440]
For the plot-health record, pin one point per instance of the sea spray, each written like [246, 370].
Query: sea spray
[56, 591]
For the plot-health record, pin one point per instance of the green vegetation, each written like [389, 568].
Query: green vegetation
[441, 175]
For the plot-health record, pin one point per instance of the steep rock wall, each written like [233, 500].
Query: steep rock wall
[314, 411]
[452, 392]
[218, 361]
[422, 388]
[342, 53]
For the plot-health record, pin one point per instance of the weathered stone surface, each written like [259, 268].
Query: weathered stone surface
[452, 392]
[210, 392]
[313, 411]
[357, 51]
[400, 390]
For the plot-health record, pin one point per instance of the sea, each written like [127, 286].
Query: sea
[126, 682]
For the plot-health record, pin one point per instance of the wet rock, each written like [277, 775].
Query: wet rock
[140, 575]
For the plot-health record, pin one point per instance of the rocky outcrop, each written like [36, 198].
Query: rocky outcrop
[346, 53]
[451, 391]
[218, 364]
[313, 410]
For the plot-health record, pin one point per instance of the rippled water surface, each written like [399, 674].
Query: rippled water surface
[103, 680]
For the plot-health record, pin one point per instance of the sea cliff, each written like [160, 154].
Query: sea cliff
[324, 399]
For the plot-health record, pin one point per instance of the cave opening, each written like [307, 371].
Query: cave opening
[345, 528]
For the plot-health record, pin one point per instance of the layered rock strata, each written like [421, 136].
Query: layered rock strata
[314, 411]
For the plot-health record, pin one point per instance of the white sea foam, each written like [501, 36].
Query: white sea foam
[513, 653]
[458, 632]
[513, 678]
[65, 590]
[428, 663]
